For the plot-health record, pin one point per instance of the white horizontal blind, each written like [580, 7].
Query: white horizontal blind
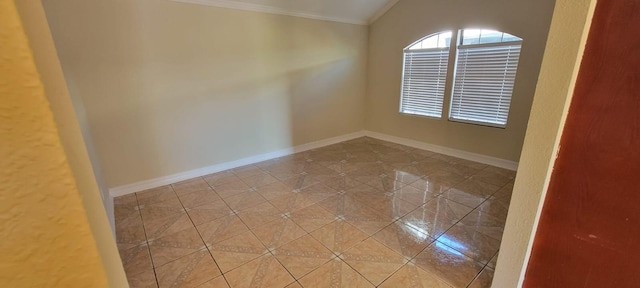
[425, 74]
[484, 80]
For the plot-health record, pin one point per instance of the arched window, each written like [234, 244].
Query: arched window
[425, 75]
[484, 76]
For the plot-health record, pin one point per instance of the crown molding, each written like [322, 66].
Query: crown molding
[271, 10]
[382, 11]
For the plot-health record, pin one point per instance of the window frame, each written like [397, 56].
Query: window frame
[451, 74]
[408, 50]
[458, 46]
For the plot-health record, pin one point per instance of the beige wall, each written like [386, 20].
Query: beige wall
[47, 192]
[170, 87]
[567, 38]
[410, 20]
[69, 128]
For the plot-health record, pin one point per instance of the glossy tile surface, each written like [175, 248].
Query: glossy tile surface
[361, 213]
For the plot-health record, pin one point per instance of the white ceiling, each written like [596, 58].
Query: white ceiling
[360, 12]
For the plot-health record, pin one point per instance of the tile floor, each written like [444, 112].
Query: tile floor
[362, 213]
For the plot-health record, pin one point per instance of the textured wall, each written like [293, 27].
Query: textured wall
[170, 87]
[569, 27]
[69, 124]
[410, 20]
[47, 241]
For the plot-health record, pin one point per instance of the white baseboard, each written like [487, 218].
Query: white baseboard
[484, 159]
[166, 180]
[170, 179]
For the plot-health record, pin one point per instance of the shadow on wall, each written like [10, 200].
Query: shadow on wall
[171, 87]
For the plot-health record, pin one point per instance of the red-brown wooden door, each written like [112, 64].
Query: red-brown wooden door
[589, 231]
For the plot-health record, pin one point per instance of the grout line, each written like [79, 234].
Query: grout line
[146, 237]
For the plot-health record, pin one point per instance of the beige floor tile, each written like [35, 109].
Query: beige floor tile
[244, 200]
[383, 183]
[312, 217]
[290, 203]
[221, 229]
[484, 223]
[448, 264]
[220, 178]
[259, 215]
[218, 282]
[294, 285]
[159, 222]
[143, 279]
[259, 180]
[501, 171]
[261, 272]
[446, 177]
[368, 225]
[477, 187]
[414, 195]
[126, 200]
[189, 186]
[173, 203]
[406, 174]
[471, 164]
[376, 204]
[495, 207]
[189, 271]
[209, 212]
[279, 232]
[275, 190]
[159, 194]
[411, 276]
[230, 189]
[373, 260]
[402, 239]
[463, 170]
[341, 183]
[334, 273]
[471, 243]
[284, 171]
[161, 210]
[302, 180]
[467, 199]
[130, 230]
[503, 195]
[428, 222]
[171, 247]
[247, 171]
[430, 185]
[484, 279]
[490, 176]
[237, 251]
[135, 259]
[339, 236]
[449, 208]
[431, 165]
[197, 198]
[394, 209]
[302, 255]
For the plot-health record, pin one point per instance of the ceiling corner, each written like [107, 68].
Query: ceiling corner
[382, 11]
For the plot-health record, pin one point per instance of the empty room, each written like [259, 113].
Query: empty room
[337, 143]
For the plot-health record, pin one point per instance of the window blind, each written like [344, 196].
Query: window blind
[425, 74]
[483, 83]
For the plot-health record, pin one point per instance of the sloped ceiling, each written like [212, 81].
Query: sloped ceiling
[361, 12]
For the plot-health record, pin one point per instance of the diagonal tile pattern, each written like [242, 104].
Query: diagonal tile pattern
[361, 213]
